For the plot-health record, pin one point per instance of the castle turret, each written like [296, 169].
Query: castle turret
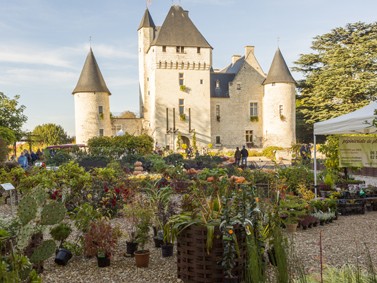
[146, 32]
[279, 116]
[92, 106]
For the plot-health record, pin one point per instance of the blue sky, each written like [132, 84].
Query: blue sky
[44, 43]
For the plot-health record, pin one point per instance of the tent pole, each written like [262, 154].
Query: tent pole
[315, 166]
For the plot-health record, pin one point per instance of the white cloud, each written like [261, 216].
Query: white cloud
[16, 76]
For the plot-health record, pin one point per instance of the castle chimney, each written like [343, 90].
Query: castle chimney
[235, 58]
[249, 50]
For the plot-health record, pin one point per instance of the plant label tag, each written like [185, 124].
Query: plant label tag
[7, 186]
[247, 229]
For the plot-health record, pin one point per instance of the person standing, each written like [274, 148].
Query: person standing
[237, 156]
[244, 155]
[22, 160]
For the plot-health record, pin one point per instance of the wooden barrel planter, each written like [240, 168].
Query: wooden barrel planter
[193, 262]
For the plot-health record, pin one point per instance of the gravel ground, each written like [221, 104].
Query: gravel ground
[343, 241]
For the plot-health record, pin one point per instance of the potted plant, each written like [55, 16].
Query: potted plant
[291, 210]
[142, 236]
[100, 241]
[60, 233]
[130, 213]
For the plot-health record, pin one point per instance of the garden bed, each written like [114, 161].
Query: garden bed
[343, 242]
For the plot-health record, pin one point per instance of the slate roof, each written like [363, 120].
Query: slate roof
[235, 67]
[279, 72]
[224, 80]
[146, 21]
[179, 30]
[91, 79]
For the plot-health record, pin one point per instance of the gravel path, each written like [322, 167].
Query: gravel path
[343, 241]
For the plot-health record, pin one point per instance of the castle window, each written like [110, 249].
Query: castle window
[163, 48]
[201, 82]
[218, 113]
[218, 140]
[238, 86]
[249, 136]
[253, 109]
[101, 132]
[180, 49]
[198, 50]
[181, 103]
[181, 79]
[100, 109]
[217, 84]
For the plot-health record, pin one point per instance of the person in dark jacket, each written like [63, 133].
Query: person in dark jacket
[237, 156]
[244, 155]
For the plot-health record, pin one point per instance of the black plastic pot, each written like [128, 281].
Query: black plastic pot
[62, 256]
[158, 242]
[103, 261]
[131, 248]
[167, 250]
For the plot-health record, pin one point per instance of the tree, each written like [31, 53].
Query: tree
[50, 134]
[11, 115]
[341, 75]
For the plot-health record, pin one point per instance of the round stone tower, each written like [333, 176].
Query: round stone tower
[92, 106]
[279, 105]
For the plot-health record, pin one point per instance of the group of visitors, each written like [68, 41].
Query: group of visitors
[27, 159]
[240, 156]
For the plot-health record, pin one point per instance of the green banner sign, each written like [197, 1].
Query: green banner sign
[358, 152]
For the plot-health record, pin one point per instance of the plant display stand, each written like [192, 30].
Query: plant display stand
[196, 265]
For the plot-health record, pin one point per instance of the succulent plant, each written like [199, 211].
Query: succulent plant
[43, 251]
[27, 209]
[52, 213]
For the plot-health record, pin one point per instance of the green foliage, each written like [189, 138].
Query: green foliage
[11, 115]
[295, 176]
[59, 158]
[174, 159]
[90, 161]
[52, 213]
[340, 73]
[117, 146]
[331, 150]
[7, 135]
[61, 232]
[27, 209]
[270, 151]
[43, 251]
[50, 134]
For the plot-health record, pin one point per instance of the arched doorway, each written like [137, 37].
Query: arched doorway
[186, 141]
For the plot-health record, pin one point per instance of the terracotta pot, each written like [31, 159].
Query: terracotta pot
[142, 258]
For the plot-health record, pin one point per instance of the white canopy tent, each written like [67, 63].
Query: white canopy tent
[357, 122]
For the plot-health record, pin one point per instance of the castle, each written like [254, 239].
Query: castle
[182, 96]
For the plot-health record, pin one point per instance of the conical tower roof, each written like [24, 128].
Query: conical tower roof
[146, 21]
[91, 79]
[279, 72]
[179, 30]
